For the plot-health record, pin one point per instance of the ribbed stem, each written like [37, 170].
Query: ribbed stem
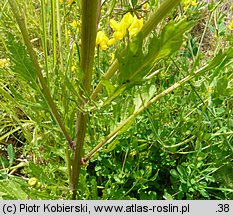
[42, 81]
[89, 17]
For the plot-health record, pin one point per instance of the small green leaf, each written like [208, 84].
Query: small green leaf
[181, 170]
[111, 146]
[167, 196]
[153, 178]
[134, 2]
[174, 173]
[109, 87]
[11, 153]
[221, 87]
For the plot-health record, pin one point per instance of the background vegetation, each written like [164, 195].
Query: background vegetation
[178, 148]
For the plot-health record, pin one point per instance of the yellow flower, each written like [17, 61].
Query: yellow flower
[3, 63]
[128, 23]
[187, 3]
[32, 181]
[112, 56]
[102, 40]
[127, 20]
[61, 1]
[194, 3]
[70, 2]
[114, 24]
[231, 7]
[73, 68]
[231, 25]
[111, 41]
[119, 29]
[145, 6]
[74, 24]
[135, 26]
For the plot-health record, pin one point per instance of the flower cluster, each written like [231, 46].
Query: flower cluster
[69, 2]
[128, 25]
[188, 3]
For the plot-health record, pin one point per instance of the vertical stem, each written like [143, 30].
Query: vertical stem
[89, 17]
[44, 38]
[59, 36]
[47, 95]
[54, 39]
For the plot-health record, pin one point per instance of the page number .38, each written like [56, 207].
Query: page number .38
[223, 208]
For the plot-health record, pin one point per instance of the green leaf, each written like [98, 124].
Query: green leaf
[174, 173]
[167, 196]
[111, 146]
[153, 178]
[11, 153]
[181, 170]
[134, 2]
[134, 55]
[135, 64]
[4, 162]
[21, 63]
[221, 86]
[12, 190]
[109, 87]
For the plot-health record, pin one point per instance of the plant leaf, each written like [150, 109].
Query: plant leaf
[21, 63]
[135, 64]
[11, 153]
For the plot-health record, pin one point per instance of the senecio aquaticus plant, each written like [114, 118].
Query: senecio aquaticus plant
[132, 66]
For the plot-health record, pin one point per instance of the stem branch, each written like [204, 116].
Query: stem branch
[47, 95]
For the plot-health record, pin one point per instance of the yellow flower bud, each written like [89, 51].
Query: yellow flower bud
[114, 24]
[231, 25]
[3, 63]
[74, 24]
[102, 40]
[194, 3]
[32, 182]
[73, 68]
[145, 6]
[112, 57]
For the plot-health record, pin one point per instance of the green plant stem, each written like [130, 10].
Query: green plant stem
[89, 17]
[54, 32]
[44, 39]
[42, 81]
[149, 26]
[204, 33]
[59, 36]
[114, 133]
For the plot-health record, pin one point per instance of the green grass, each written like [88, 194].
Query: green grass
[145, 139]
